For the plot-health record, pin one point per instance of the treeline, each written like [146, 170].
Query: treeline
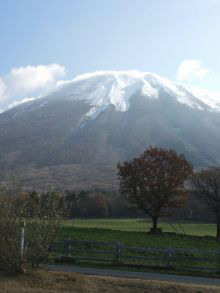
[101, 204]
[105, 204]
[97, 204]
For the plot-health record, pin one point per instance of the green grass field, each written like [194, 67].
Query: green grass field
[133, 232]
[142, 225]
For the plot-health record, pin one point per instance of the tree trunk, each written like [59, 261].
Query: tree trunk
[218, 228]
[155, 219]
[154, 229]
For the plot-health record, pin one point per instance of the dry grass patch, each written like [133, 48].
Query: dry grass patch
[54, 282]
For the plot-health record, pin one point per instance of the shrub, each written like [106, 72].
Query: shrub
[37, 217]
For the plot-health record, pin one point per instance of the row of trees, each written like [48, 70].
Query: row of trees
[155, 182]
[98, 204]
[103, 204]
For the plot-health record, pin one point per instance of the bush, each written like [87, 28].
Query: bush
[38, 217]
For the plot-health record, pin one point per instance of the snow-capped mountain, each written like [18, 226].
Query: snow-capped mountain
[104, 88]
[88, 124]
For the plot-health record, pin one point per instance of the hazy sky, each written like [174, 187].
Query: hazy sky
[178, 39]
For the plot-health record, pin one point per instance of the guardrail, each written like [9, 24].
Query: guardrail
[170, 257]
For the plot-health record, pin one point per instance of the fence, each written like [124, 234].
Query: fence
[176, 258]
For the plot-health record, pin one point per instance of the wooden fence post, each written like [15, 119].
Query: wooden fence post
[168, 254]
[117, 250]
[67, 247]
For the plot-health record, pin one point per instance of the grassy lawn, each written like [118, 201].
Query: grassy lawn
[141, 239]
[133, 233]
[142, 225]
[44, 282]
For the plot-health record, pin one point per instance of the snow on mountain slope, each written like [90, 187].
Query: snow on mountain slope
[103, 88]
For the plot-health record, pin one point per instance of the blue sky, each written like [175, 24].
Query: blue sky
[88, 35]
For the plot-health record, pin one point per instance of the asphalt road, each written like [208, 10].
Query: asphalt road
[137, 275]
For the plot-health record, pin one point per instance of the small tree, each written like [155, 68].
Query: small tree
[42, 225]
[154, 181]
[206, 185]
[41, 214]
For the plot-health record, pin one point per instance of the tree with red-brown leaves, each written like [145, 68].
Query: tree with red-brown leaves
[155, 181]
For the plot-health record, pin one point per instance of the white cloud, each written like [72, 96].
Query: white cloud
[191, 70]
[25, 79]
[2, 89]
[29, 80]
